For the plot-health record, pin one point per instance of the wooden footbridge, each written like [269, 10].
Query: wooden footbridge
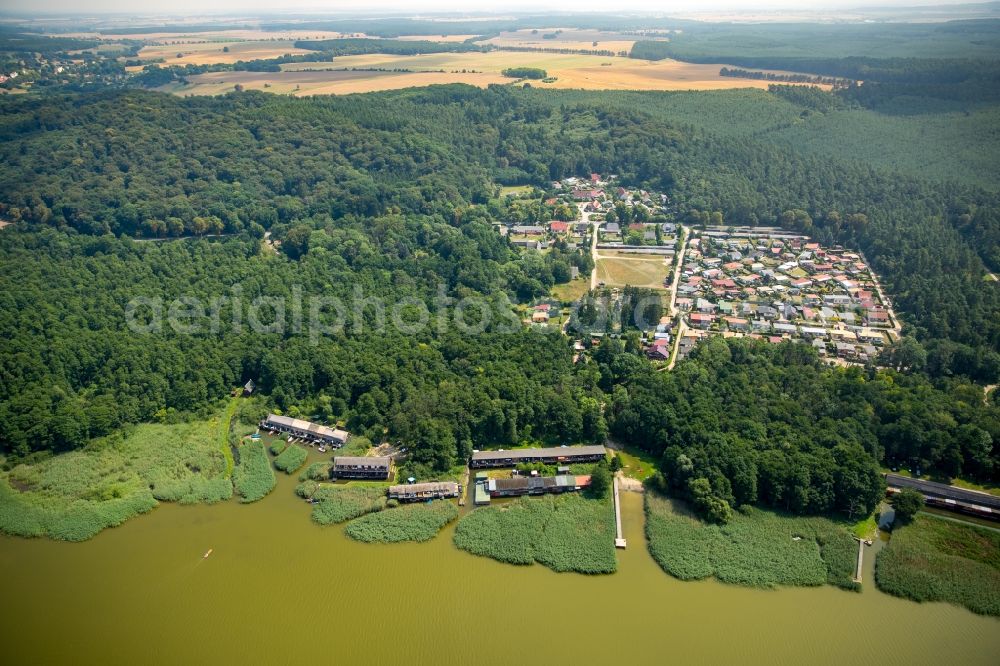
[619, 539]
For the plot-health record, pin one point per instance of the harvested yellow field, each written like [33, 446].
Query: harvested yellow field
[588, 72]
[323, 82]
[618, 269]
[433, 38]
[217, 35]
[577, 40]
[209, 53]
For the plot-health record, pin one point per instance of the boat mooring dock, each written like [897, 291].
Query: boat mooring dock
[619, 539]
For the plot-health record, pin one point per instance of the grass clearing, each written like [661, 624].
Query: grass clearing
[340, 503]
[254, 477]
[637, 464]
[410, 522]
[618, 269]
[571, 291]
[757, 549]
[73, 496]
[565, 533]
[942, 560]
[291, 459]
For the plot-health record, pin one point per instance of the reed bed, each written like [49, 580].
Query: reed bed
[338, 504]
[756, 549]
[253, 478]
[409, 522]
[75, 495]
[291, 459]
[933, 559]
[564, 533]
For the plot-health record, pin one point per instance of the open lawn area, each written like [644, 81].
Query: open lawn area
[935, 559]
[636, 464]
[756, 549]
[564, 532]
[618, 269]
[572, 291]
[73, 496]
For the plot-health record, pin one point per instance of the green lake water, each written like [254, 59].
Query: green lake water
[279, 589]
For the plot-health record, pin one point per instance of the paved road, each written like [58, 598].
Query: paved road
[672, 310]
[896, 326]
[593, 243]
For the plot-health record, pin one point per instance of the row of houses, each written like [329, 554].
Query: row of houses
[305, 430]
[783, 286]
[561, 455]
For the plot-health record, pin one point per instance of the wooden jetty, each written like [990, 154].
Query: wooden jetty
[619, 539]
[861, 557]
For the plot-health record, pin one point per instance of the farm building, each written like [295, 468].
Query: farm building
[418, 492]
[307, 430]
[550, 456]
[535, 485]
[361, 467]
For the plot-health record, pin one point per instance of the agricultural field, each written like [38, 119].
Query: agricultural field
[480, 69]
[565, 533]
[211, 52]
[73, 496]
[618, 269]
[757, 549]
[433, 38]
[940, 559]
[578, 40]
[409, 522]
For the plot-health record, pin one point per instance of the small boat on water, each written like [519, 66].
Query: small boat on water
[207, 553]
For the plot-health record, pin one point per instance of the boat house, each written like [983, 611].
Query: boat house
[419, 492]
[312, 432]
[535, 485]
[561, 455]
[361, 467]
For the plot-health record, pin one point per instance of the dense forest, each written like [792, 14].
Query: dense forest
[772, 425]
[394, 193]
[153, 165]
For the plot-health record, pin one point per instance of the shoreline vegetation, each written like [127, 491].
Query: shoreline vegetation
[938, 559]
[75, 495]
[254, 477]
[563, 532]
[407, 522]
[757, 548]
[338, 504]
[291, 459]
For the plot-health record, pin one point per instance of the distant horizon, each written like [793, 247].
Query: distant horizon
[375, 8]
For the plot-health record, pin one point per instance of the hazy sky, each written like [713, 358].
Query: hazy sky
[204, 7]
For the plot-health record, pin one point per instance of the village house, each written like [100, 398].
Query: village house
[549, 456]
[535, 485]
[361, 467]
[420, 492]
[703, 321]
[311, 432]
